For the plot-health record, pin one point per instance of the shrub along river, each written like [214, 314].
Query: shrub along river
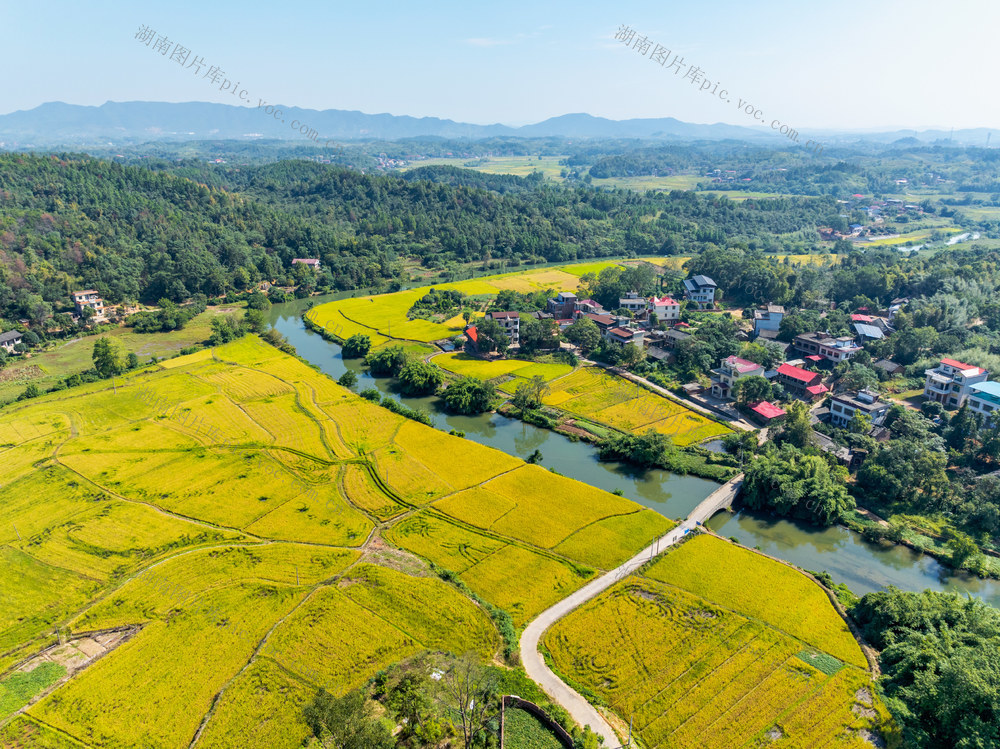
[863, 566]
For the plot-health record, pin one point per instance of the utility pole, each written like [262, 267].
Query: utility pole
[16, 531]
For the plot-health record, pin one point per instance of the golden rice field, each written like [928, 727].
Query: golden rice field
[694, 673]
[222, 510]
[793, 603]
[593, 394]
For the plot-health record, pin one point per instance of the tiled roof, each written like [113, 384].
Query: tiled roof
[741, 365]
[768, 410]
[796, 373]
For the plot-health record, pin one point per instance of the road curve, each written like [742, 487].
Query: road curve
[582, 711]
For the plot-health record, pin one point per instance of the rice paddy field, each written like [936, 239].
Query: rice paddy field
[728, 657]
[256, 531]
[597, 396]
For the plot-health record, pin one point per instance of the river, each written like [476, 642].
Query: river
[864, 567]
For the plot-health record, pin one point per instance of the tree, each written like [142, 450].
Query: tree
[492, 336]
[584, 333]
[791, 483]
[469, 395]
[257, 300]
[348, 379]
[420, 378]
[346, 722]
[650, 449]
[630, 355]
[529, 393]
[109, 360]
[796, 430]
[256, 320]
[859, 377]
[226, 329]
[940, 665]
[534, 335]
[471, 692]
[860, 422]
[132, 360]
[356, 347]
[752, 389]
[386, 361]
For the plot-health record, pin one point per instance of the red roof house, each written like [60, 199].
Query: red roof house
[767, 411]
[799, 380]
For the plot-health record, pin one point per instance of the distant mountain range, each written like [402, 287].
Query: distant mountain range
[59, 124]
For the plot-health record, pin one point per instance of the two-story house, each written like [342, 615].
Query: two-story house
[844, 405]
[511, 324]
[801, 382]
[730, 370]
[950, 381]
[88, 298]
[624, 335]
[632, 302]
[700, 291]
[825, 346]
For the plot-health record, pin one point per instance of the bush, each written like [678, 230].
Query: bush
[356, 347]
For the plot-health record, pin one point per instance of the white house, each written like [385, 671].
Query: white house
[624, 335]
[88, 298]
[730, 370]
[950, 382]
[665, 308]
[310, 261]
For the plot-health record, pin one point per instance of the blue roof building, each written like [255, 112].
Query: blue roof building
[984, 398]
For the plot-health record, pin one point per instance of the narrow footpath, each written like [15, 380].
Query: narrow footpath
[582, 711]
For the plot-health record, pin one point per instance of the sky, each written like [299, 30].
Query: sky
[849, 65]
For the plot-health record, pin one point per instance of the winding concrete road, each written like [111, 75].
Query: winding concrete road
[582, 711]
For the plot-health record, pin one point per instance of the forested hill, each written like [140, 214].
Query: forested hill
[138, 233]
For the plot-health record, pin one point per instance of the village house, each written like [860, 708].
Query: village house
[666, 309]
[88, 298]
[604, 322]
[310, 261]
[730, 370]
[768, 318]
[563, 306]
[673, 338]
[801, 382]
[949, 383]
[844, 405]
[700, 291]
[511, 324]
[766, 413]
[624, 335]
[587, 306]
[888, 366]
[9, 340]
[632, 302]
[984, 399]
[824, 346]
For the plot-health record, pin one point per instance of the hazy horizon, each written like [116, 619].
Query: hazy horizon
[854, 69]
